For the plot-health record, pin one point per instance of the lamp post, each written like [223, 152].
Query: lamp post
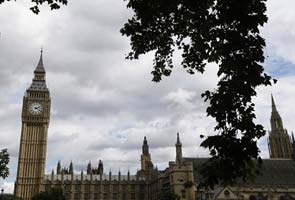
[2, 191]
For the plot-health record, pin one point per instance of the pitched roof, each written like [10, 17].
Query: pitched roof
[40, 67]
[274, 172]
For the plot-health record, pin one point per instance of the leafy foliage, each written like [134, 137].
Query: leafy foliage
[10, 197]
[53, 4]
[221, 32]
[4, 160]
[52, 194]
[169, 196]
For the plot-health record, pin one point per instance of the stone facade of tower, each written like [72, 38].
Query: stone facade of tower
[146, 162]
[181, 176]
[33, 141]
[279, 142]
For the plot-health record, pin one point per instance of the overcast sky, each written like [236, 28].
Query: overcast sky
[103, 105]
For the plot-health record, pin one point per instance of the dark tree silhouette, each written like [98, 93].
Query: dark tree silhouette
[4, 160]
[53, 4]
[168, 196]
[52, 194]
[221, 32]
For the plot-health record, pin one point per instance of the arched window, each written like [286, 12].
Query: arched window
[252, 197]
[226, 193]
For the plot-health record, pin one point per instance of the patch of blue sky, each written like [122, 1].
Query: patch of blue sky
[279, 67]
[120, 132]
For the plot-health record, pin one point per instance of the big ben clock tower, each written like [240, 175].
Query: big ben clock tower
[33, 141]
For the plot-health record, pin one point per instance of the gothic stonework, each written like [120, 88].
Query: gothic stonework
[279, 141]
[32, 151]
[181, 177]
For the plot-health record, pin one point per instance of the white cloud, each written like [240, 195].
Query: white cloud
[102, 104]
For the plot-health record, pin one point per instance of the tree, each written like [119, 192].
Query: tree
[53, 4]
[9, 197]
[221, 32]
[52, 194]
[168, 196]
[4, 160]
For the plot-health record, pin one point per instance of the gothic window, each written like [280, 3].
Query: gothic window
[252, 197]
[67, 196]
[76, 196]
[87, 187]
[124, 196]
[141, 196]
[115, 196]
[226, 193]
[276, 124]
[95, 196]
[77, 187]
[115, 188]
[97, 187]
[183, 194]
[105, 196]
[124, 187]
[86, 196]
[132, 187]
[47, 187]
[67, 187]
[141, 188]
[132, 196]
[106, 187]
[286, 197]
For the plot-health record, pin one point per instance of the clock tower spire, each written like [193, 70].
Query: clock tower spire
[33, 141]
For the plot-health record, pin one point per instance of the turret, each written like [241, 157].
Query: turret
[275, 120]
[293, 147]
[71, 168]
[178, 146]
[58, 168]
[35, 122]
[39, 72]
[89, 169]
[145, 147]
[110, 175]
[39, 80]
[146, 162]
[100, 167]
[279, 141]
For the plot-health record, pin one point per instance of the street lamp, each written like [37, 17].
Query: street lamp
[2, 191]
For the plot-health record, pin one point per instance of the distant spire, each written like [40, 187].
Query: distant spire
[89, 169]
[273, 105]
[178, 140]
[178, 146]
[71, 168]
[100, 167]
[276, 120]
[58, 168]
[40, 67]
[145, 147]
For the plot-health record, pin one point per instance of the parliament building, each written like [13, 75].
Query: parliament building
[181, 177]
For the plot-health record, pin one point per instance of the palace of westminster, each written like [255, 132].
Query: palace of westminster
[181, 177]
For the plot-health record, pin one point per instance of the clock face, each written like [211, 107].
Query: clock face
[35, 108]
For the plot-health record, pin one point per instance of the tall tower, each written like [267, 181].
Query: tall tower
[178, 146]
[146, 162]
[279, 141]
[33, 141]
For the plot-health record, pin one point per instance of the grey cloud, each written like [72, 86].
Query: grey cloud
[102, 104]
